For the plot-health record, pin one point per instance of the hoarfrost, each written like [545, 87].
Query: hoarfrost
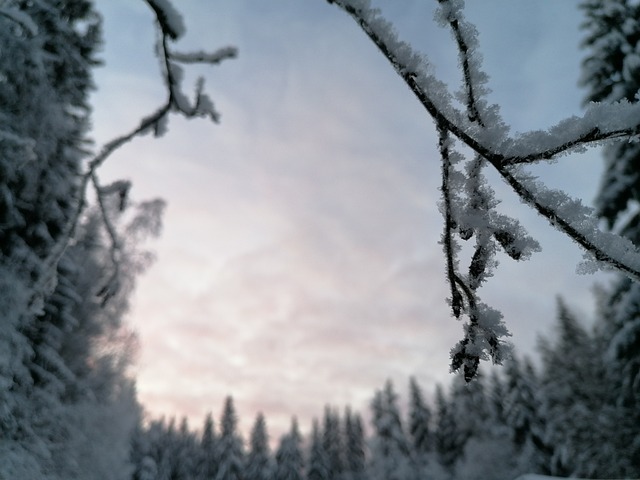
[468, 203]
[170, 20]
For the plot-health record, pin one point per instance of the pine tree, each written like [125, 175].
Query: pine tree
[472, 407]
[259, 464]
[186, 453]
[230, 449]
[154, 450]
[355, 454]
[611, 72]
[208, 449]
[68, 403]
[489, 450]
[318, 463]
[419, 421]
[574, 395]
[333, 442]
[449, 443]
[144, 465]
[523, 416]
[46, 57]
[289, 461]
[390, 450]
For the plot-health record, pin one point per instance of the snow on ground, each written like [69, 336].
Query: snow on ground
[531, 476]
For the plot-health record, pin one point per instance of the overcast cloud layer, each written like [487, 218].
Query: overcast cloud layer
[300, 262]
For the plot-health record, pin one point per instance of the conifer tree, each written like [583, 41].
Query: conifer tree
[230, 448]
[208, 449]
[47, 51]
[523, 415]
[318, 463]
[259, 464]
[355, 454]
[471, 408]
[419, 421]
[68, 403]
[449, 444]
[186, 452]
[390, 450]
[575, 395]
[289, 460]
[333, 442]
[489, 450]
[147, 450]
[611, 72]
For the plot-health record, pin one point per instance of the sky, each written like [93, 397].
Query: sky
[299, 264]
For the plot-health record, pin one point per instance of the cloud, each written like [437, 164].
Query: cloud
[278, 324]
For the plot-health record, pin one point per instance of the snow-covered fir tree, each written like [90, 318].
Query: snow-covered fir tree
[419, 422]
[521, 406]
[355, 446]
[45, 59]
[208, 449]
[611, 72]
[317, 461]
[230, 446]
[490, 450]
[259, 464]
[390, 450]
[447, 437]
[66, 272]
[333, 442]
[289, 459]
[575, 397]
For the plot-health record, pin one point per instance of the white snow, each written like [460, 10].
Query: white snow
[531, 476]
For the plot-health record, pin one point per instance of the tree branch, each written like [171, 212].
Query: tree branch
[483, 130]
[169, 28]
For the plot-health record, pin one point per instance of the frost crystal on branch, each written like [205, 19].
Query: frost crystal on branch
[168, 17]
[171, 27]
[468, 204]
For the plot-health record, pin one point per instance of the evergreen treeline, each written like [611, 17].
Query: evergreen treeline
[564, 418]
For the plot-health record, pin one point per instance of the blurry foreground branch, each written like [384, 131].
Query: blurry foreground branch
[169, 28]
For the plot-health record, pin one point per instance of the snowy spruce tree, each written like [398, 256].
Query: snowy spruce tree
[489, 450]
[289, 459]
[46, 59]
[230, 445]
[611, 73]
[317, 463]
[522, 410]
[259, 464]
[575, 402]
[419, 423]
[390, 450]
[208, 464]
[448, 440]
[355, 446]
[333, 442]
[66, 273]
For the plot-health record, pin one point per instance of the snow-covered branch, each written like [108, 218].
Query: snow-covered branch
[467, 201]
[170, 28]
[20, 18]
